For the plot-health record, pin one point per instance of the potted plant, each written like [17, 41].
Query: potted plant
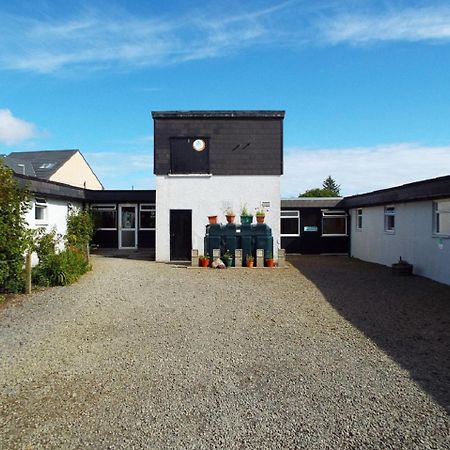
[203, 261]
[270, 262]
[260, 215]
[246, 217]
[212, 219]
[227, 258]
[250, 260]
[230, 215]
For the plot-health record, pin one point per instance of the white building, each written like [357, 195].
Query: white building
[208, 161]
[410, 221]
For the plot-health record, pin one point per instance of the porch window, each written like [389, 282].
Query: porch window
[389, 219]
[40, 210]
[334, 223]
[290, 223]
[359, 219]
[104, 216]
[147, 217]
[442, 217]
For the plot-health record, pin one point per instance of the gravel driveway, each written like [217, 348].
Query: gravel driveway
[327, 354]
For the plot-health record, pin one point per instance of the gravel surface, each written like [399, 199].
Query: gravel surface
[328, 354]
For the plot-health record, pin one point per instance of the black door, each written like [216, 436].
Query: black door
[180, 234]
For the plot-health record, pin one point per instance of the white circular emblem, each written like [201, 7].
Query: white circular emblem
[199, 145]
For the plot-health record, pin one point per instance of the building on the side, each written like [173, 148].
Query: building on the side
[63, 166]
[312, 225]
[208, 161]
[411, 221]
[124, 219]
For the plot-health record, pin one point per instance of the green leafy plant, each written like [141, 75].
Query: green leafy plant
[15, 239]
[60, 269]
[260, 211]
[80, 229]
[244, 210]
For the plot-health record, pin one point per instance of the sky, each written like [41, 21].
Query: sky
[365, 84]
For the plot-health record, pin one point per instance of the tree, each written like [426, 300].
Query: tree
[14, 235]
[330, 185]
[329, 189]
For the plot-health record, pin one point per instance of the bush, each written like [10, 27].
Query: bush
[60, 269]
[80, 229]
[14, 236]
[45, 243]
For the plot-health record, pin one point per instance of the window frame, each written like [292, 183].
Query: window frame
[153, 208]
[296, 216]
[105, 207]
[388, 214]
[359, 219]
[41, 204]
[436, 213]
[329, 213]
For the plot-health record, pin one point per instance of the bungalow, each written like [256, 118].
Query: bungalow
[411, 221]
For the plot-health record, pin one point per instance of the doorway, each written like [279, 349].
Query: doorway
[180, 234]
[127, 226]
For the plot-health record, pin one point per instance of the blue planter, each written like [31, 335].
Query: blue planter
[246, 220]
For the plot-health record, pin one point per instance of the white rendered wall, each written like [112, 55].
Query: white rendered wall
[56, 217]
[211, 195]
[413, 240]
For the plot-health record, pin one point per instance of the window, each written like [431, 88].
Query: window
[334, 223]
[290, 223]
[442, 217]
[105, 217]
[147, 217]
[46, 165]
[359, 219]
[389, 219]
[40, 209]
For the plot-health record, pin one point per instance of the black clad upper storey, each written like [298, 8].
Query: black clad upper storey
[235, 142]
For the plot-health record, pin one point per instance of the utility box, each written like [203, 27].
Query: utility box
[247, 238]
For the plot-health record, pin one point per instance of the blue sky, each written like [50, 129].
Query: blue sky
[365, 84]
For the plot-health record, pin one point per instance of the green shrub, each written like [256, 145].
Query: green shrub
[80, 229]
[45, 242]
[60, 269]
[14, 236]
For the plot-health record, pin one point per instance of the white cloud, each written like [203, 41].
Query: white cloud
[123, 169]
[101, 39]
[14, 130]
[363, 169]
[418, 24]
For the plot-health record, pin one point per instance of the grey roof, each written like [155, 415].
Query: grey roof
[63, 191]
[228, 114]
[19, 166]
[430, 189]
[45, 162]
[311, 202]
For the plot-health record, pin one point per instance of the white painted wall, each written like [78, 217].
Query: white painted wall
[210, 195]
[413, 240]
[56, 217]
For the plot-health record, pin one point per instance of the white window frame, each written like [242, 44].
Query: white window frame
[359, 219]
[42, 204]
[387, 214]
[336, 214]
[295, 215]
[436, 213]
[105, 207]
[146, 207]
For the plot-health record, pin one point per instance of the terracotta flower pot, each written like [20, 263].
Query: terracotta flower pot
[270, 262]
[230, 218]
[249, 264]
[260, 219]
[204, 262]
[212, 219]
